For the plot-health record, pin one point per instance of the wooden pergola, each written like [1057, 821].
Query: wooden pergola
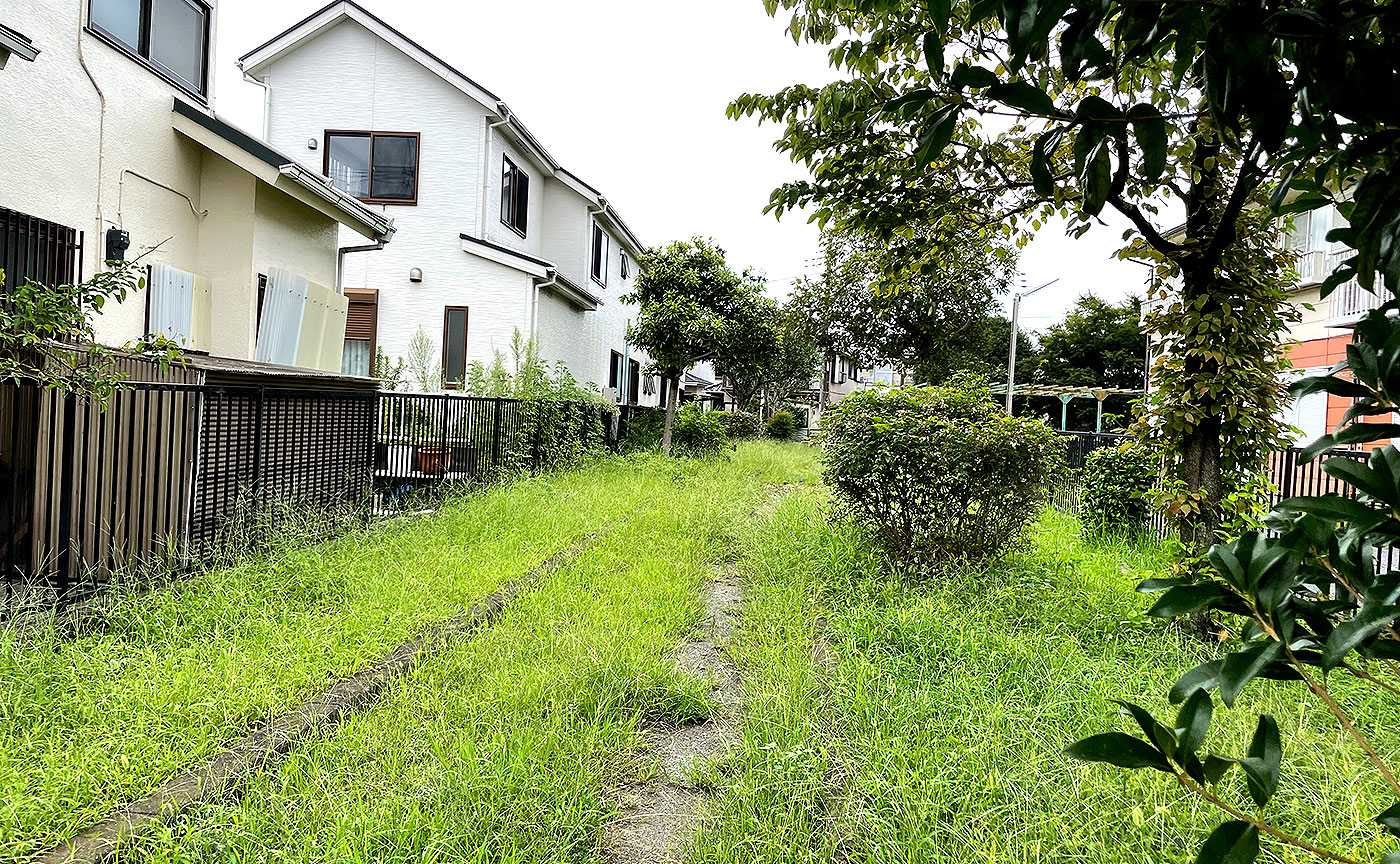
[1067, 393]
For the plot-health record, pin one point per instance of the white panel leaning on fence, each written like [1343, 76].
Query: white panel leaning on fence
[303, 324]
[179, 306]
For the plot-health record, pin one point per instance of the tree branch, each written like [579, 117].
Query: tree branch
[1153, 237]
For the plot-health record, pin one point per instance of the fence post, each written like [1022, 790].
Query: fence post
[496, 433]
[535, 445]
[65, 495]
[443, 458]
[257, 445]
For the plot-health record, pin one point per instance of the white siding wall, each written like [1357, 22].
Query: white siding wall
[49, 111]
[347, 78]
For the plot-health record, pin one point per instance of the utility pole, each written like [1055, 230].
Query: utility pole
[1015, 332]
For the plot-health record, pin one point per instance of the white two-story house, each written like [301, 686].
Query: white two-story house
[494, 236]
[112, 150]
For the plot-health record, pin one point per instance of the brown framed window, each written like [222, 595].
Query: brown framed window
[515, 196]
[375, 167]
[361, 332]
[171, 37]
[600, 255]
[634, 381]
[454, 346]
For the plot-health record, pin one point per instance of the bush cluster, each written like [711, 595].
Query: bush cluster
[741, 425]
[1115, 489]
[939, 471]
[698, 432]
[781, 426]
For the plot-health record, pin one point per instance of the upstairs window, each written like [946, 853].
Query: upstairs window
[515, 196]
[171, 36]
[375, 167]
[625, 270]
[600, 255]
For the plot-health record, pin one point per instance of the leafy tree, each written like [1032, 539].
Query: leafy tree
[1067, 107]
[930, 316]
[752, 346]
[46, 334]
[797, 361]
[694, 307]
[1098, 344]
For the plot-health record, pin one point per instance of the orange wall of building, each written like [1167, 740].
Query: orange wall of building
[1326, 352]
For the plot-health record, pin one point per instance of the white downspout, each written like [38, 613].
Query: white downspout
[504, 109]
[267, 101]
[535, 301]
[98, 241]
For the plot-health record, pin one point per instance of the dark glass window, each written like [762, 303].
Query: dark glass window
[600, 254]
[625, 271]
[454, 345]
[378, 167]
[515, 196]
[615, 374]
[634, 381]
[172, 35]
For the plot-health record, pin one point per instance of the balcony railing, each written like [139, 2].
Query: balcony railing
[1349, 301]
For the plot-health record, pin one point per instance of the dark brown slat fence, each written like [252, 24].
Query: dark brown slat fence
[170, 468]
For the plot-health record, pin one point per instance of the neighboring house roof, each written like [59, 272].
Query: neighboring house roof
[257, 60]
[16, 43]
[278, 170]
[546, 274]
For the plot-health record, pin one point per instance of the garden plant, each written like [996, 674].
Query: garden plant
[939, 472]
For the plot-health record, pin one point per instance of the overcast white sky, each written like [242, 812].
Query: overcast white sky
[630, 95]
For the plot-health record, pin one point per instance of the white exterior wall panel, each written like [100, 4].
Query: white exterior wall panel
[346, 77]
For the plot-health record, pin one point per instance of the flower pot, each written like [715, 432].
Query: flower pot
[434, 461]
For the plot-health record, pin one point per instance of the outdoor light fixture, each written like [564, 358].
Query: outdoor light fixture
[311, 143]
[415, 275]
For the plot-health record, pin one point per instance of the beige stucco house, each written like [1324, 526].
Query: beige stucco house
[113, 150]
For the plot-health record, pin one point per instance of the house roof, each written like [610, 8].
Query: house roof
[278, 170]
[16, 43]
[256, 61]
[546, 274]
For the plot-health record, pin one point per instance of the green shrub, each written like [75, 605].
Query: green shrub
[939, 471]
[1115, 489]
[741, 425]
[781, 426]
[644, 429]
[698, 432]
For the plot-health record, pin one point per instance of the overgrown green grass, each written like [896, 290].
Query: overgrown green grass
[935, 731]
[507, 747]
[91, 721]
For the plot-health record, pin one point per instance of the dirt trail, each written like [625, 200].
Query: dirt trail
[659, 816]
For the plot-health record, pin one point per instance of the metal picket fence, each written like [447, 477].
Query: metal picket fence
[164, 471]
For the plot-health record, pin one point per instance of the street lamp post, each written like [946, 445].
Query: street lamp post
[1015, 331]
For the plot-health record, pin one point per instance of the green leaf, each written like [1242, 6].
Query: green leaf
[1204, 677]
[1332, 507]
[1150, 127]
[1185, 599]
[933, 52]
[1234, 842]
[1117, 748]
[965, 75]
[936, 135]
[1215, 768]
[1193, 721]
[1153, 586]
[1098, 179]
[1390, 819]
[1349, 635]
[1262, 765]
[1242, 667]
[1027, 97]
[1042, 162]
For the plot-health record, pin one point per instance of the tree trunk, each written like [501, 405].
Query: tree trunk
[673, 397]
